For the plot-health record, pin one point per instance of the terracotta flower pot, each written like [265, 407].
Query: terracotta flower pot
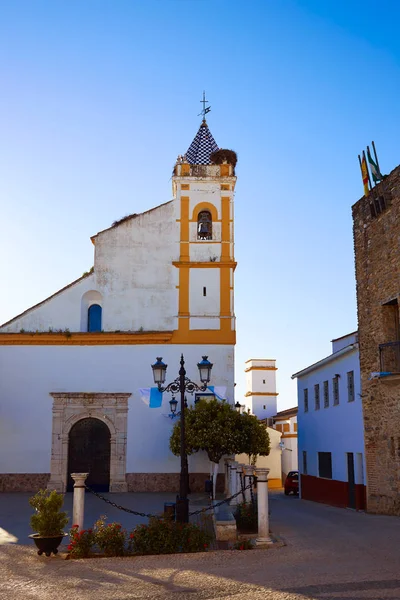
[47, 545]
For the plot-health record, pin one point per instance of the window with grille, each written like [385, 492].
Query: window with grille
[316, 396]
[350, 386]
[305, 392]
[326, 394]
[335, 382]
[204, 225]
[325, 465]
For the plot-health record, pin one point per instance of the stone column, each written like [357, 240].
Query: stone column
[233, 490]
[228, 462]
[239, 480]
[248, 472]
[78, 510]
[263, 538]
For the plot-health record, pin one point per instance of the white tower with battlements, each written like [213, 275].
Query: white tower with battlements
[261, 395]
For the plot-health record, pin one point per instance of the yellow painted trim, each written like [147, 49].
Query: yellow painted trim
[225, 293]
[224, 170]
[203, 265]
[185, 169]
[260, 369]
[185, 186]
[204, 206]
[181, 336]
[225, 187]
[85, 338]
[184, 237]
[274, 484]
[289, 435]
[183, 303]
[225, 229]
[261, 394]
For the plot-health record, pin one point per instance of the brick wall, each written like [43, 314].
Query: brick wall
[377, 263]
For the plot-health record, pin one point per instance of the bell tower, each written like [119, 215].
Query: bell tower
[203, 187]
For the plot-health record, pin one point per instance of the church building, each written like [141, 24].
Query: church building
[76, 383]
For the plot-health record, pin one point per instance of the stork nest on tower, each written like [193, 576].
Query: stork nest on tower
[222, 156]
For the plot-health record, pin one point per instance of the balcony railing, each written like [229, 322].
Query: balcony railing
[389, 356]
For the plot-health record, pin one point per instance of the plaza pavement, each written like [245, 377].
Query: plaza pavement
[330, 554]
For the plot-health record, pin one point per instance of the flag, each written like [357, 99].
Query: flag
[151, 396]
[364, 171]
[376, 174]
[218, 391]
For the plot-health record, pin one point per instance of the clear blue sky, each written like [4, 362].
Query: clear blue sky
[99, 97]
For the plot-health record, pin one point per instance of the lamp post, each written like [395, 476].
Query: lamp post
[181, 385]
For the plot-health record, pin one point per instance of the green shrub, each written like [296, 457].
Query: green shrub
[110, 538]
[81, 542]
[243, 545]
[162, 536]
[48, 519]
[246, 517]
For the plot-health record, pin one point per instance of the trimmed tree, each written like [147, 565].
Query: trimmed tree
[219, 430]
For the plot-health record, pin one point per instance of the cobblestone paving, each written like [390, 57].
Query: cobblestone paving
[330, 554]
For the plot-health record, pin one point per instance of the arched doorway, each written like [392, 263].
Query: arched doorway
[89, 451]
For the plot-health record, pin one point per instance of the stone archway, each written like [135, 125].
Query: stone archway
[68, 409]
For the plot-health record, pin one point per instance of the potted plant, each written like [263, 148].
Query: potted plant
[48, 521]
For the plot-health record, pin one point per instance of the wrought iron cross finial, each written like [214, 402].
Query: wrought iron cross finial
[206, 109]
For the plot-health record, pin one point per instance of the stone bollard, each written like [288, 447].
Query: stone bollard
[227, 462]
[234, 489]
[248, 472]
[78, 509]
[263, 538]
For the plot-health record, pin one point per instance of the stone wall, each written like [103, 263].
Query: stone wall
[377, 263]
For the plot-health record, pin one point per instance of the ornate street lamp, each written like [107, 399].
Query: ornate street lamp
[182, 384]
[238, 406]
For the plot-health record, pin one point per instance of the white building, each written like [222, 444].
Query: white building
[72, 367]
[330, 427]
[285, 421]
[261, 395]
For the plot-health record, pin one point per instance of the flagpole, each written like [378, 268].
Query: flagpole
[359, 160]
[376, 158]
[366, 164]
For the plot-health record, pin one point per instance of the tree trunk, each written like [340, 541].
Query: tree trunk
[215, 475]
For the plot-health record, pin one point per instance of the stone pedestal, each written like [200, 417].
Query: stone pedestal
[234, 489]
[248, 472]
[263, 538]
[78, 510]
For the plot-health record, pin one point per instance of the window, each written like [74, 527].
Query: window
[325, 465]
[264, 407]
[350, 386]
[326, 394]
[305, 392]
[204, 291]
[305, 462]
[335, 382]
[204, 225]
[263, 380]
[316, 396]
[94, 318]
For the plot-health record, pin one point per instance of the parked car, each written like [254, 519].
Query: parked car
[292, 483]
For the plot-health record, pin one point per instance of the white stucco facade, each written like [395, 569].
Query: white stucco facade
[261, 395]
[161, 290]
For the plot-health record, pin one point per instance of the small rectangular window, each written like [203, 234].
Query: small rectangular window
[204, 291]
[350, 386]
[335, 382]
[263, 380]
[326, 394]
[325, 465]
[305, 392]
[264, 407]
[304, 462]
[316, 396]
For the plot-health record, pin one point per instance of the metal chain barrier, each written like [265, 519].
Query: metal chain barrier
[150, 516]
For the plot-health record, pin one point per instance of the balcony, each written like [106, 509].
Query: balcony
[389, 357]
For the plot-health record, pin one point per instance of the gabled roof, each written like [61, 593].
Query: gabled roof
[47, 299]
[129, 218]
[202, 147]
[285, 414]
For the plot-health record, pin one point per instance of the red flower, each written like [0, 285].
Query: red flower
[118, 526]
[70, 547]
[75, 526]
[205, 545]
[110, 524]
[132, 535]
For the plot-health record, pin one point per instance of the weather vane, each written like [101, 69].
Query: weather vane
[206, 109]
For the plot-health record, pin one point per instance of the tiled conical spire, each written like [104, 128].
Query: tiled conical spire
[202, 147]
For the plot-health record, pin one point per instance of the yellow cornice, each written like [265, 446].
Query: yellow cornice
[261, 369]
[261, 394]
[198, 336]
[289, 435]
[204, 265]
[85, 338]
